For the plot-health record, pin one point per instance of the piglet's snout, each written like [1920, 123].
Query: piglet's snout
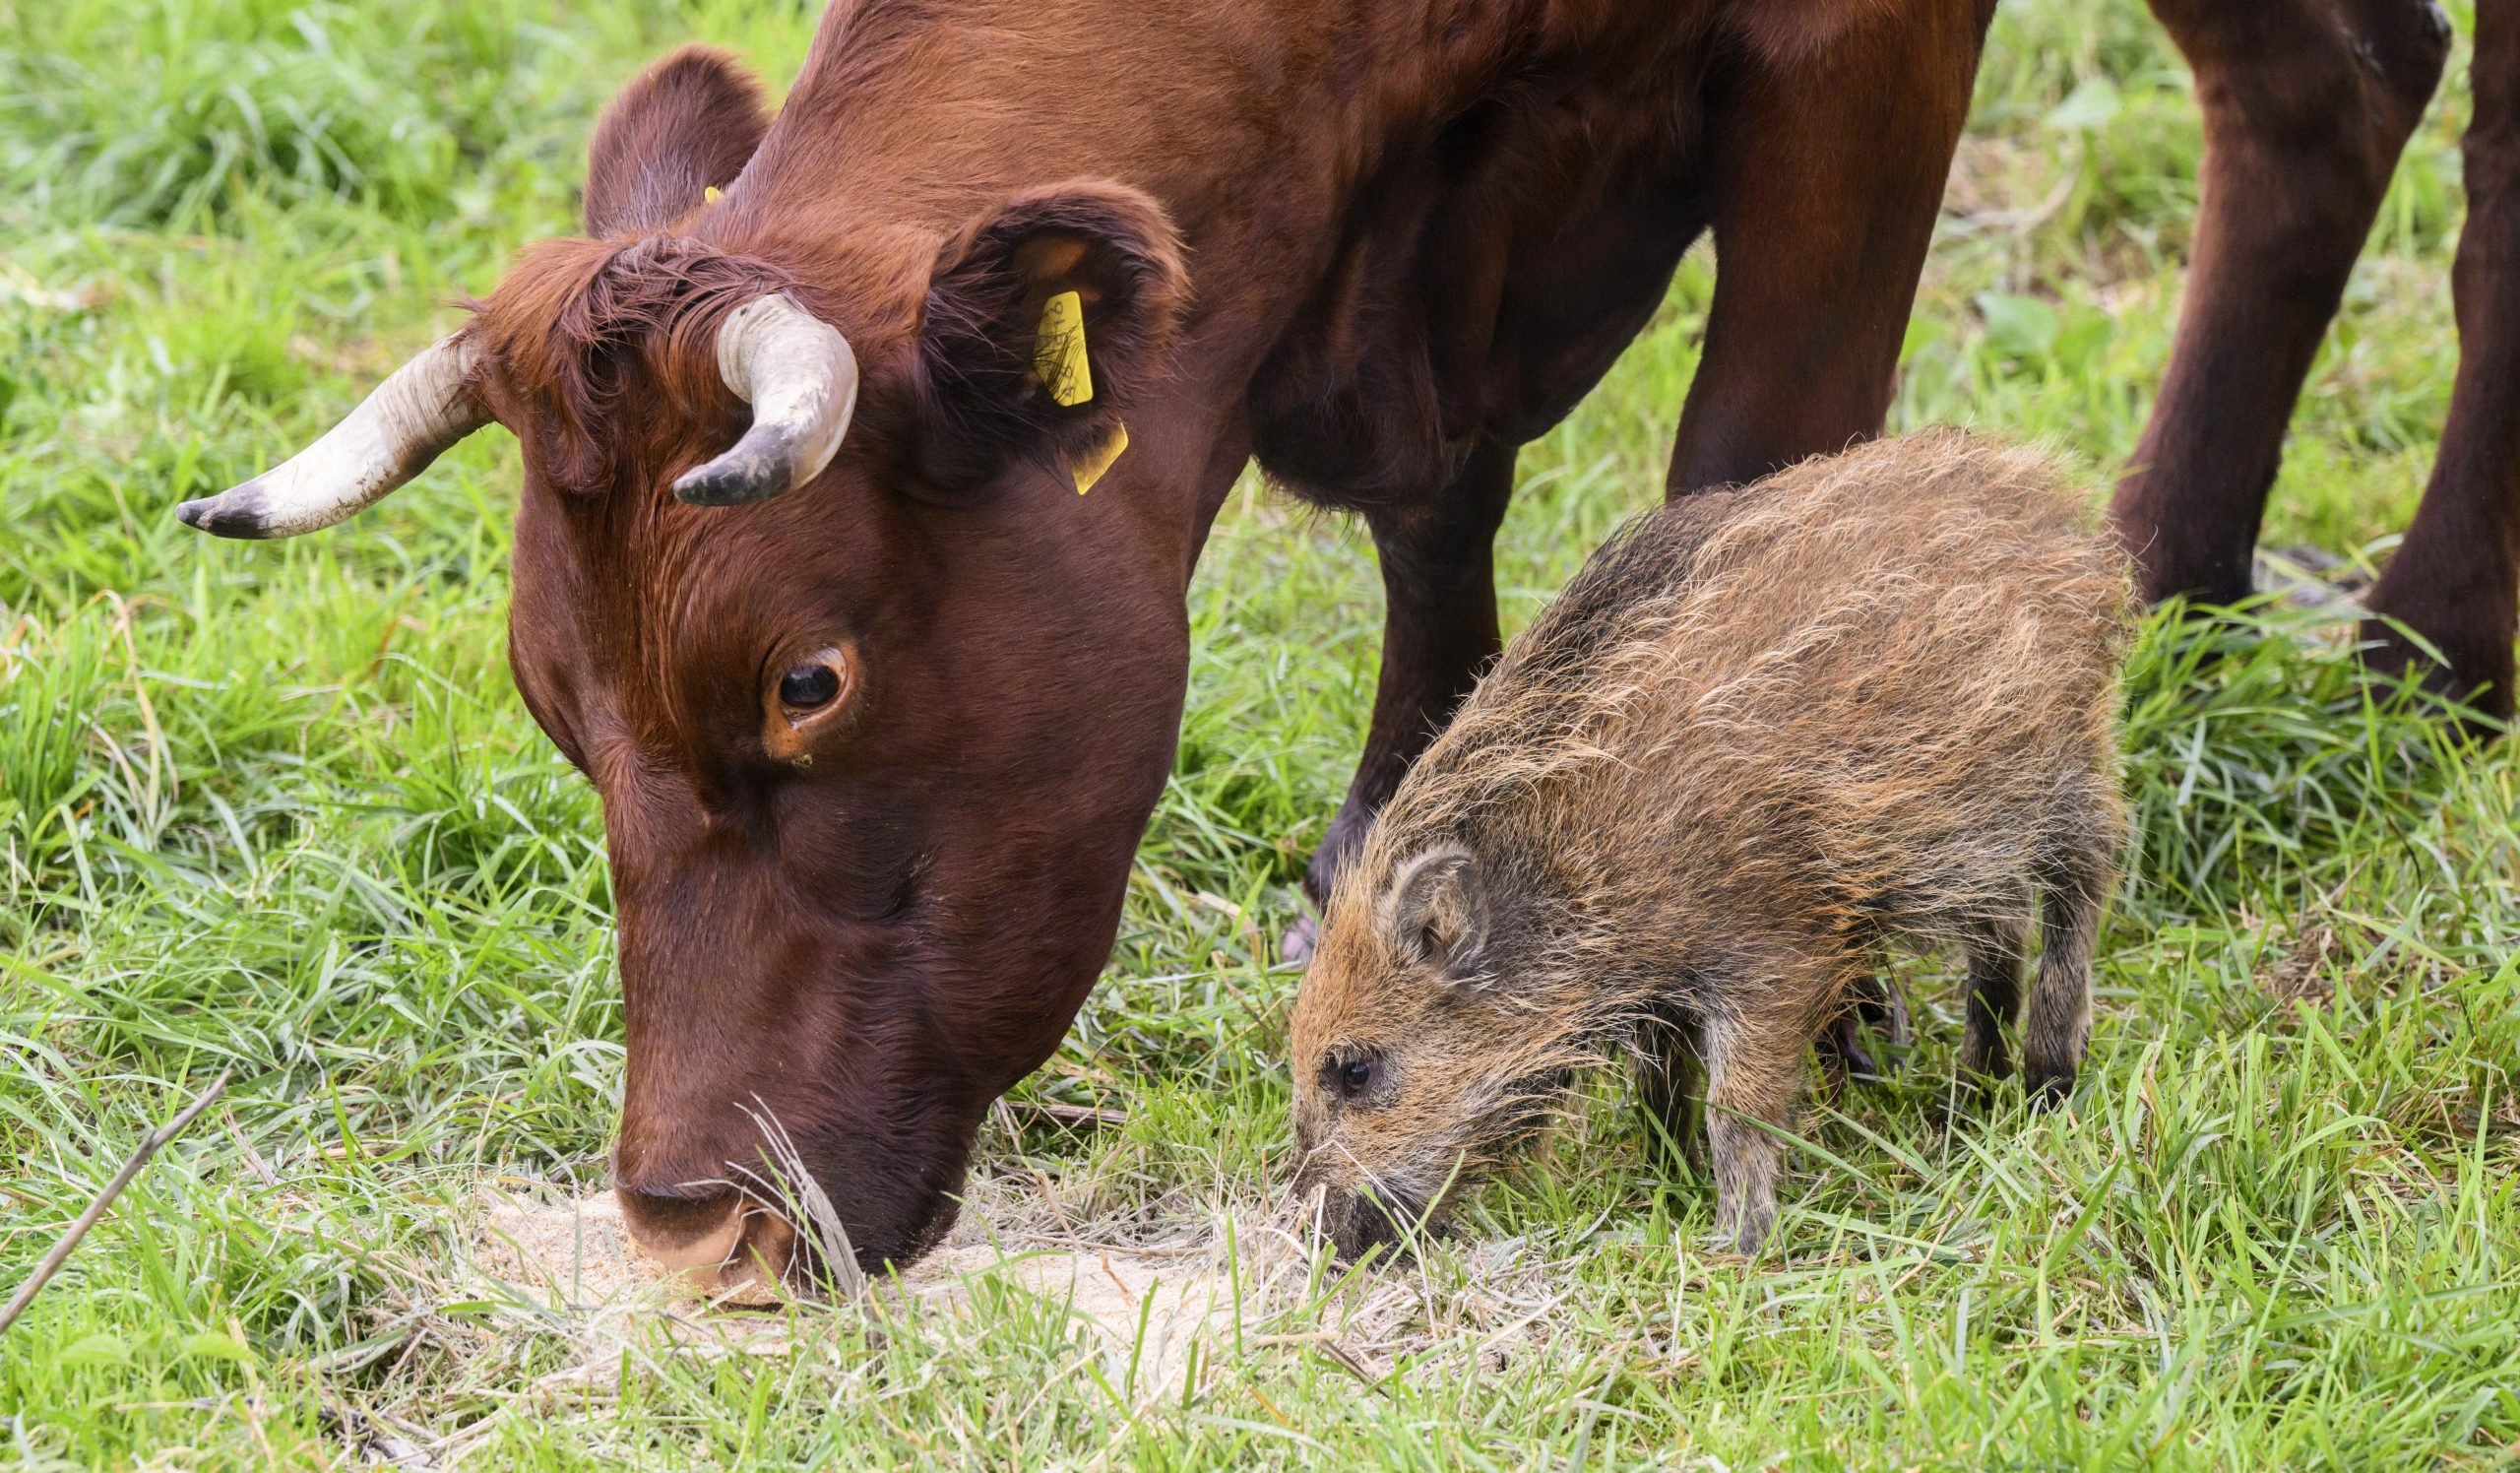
[1358, 1220]
[1369, 1223]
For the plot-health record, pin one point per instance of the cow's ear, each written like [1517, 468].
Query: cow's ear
[1044, 316]
[681, 127]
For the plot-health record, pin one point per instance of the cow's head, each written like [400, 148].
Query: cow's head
[877, 705]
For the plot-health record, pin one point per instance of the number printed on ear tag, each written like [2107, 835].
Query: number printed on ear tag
[1058, 353]
[1089, 467]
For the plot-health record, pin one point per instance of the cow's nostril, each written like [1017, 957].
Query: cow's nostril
[694, 1224]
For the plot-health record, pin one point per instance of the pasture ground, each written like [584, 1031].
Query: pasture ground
[277, 808]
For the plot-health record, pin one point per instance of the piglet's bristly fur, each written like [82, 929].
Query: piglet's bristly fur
[1764, 733]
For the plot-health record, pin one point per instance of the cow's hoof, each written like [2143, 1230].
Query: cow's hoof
[2478, 673]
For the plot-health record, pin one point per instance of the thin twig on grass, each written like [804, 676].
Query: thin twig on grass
[1340, 1356]
[373, 1437]
[61, 1250]
[1073, 1116]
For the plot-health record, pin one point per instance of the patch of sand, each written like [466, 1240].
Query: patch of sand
[1154, 1319]
[1158, 1296]
[578, 1253]
[1155, 1313]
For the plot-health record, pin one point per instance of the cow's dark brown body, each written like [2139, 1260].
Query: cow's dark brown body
[2308, 103]
[1377, 246]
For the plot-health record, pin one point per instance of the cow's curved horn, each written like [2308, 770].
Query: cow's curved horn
[800, 378]
[392, 436]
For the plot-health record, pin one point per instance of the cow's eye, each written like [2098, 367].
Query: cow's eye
[809, 687]
[805, 707]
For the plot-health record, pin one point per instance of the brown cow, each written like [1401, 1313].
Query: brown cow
[2308, 103]
[875, 753]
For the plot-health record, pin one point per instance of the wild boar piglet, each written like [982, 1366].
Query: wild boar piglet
[1763, 734]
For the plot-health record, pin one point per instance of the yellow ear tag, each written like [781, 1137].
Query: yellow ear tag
[711, 194]
[1089, 467]
[1058, 352]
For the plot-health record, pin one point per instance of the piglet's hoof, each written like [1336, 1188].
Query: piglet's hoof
[1842, 1056]
[1297, 943]
[1845, 1040]
[1880, 1007]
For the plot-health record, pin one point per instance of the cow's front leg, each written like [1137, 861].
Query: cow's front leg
[2456, 578]
[1827, 176]
[2306, 105]
[1440, 632]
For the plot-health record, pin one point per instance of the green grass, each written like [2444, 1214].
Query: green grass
[277, 807]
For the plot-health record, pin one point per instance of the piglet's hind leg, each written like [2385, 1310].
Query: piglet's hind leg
[2056, 1027]
[1994, 996]
[1754, 1071]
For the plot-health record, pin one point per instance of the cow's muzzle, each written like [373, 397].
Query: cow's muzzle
[716, 1234]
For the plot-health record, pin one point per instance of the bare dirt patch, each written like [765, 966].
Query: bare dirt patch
[2301, 977]
[1157, 1309]
[1160, 1299]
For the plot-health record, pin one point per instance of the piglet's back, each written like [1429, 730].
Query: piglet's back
[1873, 663]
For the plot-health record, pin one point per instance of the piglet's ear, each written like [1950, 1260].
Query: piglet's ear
[1007, 373]
[1437, 911]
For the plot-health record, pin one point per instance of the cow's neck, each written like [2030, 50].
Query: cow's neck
[1254, 121]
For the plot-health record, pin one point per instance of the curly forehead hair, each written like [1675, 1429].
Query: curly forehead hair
[577, 324]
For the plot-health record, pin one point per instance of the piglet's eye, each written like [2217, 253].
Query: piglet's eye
[809, 687]
[1349, 1078]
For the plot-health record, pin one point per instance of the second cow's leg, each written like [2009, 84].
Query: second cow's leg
[2456, 578]
[1440, 632]
[2306, 105]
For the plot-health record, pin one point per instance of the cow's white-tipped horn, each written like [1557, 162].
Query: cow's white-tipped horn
[410, 420]
[800, 378]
